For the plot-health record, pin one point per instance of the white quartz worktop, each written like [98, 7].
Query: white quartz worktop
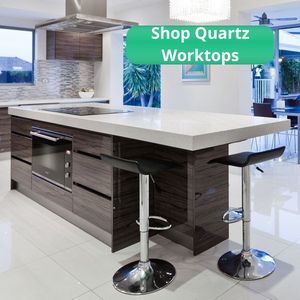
[7, 103]
[190, 130]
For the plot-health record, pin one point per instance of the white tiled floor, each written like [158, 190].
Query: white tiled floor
[44, 257]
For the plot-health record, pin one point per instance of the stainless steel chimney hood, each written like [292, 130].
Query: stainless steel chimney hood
[85, 16]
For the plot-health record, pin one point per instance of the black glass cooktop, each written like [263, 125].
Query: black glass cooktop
[85, 111]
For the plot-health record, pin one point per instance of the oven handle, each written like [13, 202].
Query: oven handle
[46, 137]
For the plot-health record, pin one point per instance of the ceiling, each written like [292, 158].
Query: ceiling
[282, 13]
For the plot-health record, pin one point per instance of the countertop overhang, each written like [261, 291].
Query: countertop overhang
[189, 130]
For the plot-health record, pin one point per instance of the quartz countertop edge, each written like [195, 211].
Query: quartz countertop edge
[8, 103]
[189, 130]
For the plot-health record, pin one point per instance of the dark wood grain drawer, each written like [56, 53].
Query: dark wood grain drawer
[92, 143]
[92, 207]
[21, 147]
[3, 111]
[4, 143]
[21, 172]
[52, 192]
[92, 173]
[4, 121]
[21, 126]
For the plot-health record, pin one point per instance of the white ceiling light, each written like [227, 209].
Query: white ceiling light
[200, 11]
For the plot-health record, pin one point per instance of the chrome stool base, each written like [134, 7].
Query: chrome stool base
[246, 265]
[139, 278]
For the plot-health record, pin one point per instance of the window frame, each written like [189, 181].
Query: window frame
[32, 30]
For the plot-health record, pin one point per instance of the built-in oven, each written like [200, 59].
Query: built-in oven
[52, 157]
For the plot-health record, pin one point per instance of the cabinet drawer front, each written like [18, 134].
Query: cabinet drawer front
[4, 144]
[21, 147]
[92, 173]
[4, 121]
[52, 192]
[21, 126]
[92, 143]
[21, 172]
[92, 207]
[3, 112]
[5, 125]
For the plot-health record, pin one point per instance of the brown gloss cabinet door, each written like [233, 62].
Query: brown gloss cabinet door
[92, 173]
[21, 126]
[21, 147]
[52, 192]
[92, 143]
[4, 130]
[92, 207]
[21, 172]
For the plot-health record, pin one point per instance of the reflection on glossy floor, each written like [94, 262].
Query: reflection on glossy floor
[43, 257]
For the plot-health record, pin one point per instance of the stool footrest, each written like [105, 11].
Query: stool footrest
[234, 215]
[157, 218]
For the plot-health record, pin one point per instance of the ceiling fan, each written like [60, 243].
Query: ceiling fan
[263, 20]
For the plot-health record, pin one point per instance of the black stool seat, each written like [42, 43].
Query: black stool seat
[244, 159]
[145, 166]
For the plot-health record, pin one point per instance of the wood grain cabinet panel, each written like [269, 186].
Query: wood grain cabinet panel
[92, 173]
[74, 46]
[52, 192]
[90, 47]
[5, 128]
[92, 143]
[21, 147]
[21, 126]
[92, 207]
[21, 172]
[62, 45]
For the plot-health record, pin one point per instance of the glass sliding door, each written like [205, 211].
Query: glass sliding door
[289, 62]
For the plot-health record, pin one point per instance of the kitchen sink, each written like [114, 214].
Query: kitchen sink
[85, 111]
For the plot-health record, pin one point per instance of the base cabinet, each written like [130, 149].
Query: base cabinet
[21, 172]
[5, 130]
[52, 192]
[92, 207]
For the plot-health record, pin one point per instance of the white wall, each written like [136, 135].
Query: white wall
[109, 72]
[229, 89]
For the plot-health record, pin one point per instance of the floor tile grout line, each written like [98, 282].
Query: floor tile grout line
[103, 285]
[256, 291]
[23, 265]
[55, 252]
[227, 291]
[89, 289]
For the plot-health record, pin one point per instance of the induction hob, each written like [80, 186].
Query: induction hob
[85, 111]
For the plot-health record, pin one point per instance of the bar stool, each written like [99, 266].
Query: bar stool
[146, 275]
[246, 264]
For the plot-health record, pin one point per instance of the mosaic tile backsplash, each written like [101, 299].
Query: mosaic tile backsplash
[53, 79]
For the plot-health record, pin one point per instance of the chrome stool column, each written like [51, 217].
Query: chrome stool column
[246, 264]
[146, 275]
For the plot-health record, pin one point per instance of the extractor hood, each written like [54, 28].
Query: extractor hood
[85, 16]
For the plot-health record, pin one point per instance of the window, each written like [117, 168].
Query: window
[16, 55]
[141, 83]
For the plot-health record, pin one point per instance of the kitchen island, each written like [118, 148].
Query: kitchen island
[5, 132]
[104, 201]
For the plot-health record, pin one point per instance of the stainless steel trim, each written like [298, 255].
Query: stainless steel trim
[46, 137]
[157, 228]
[54, 134]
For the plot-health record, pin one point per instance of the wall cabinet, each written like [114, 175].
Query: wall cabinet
[74, 46]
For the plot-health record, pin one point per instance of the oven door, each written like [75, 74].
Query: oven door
[52, 157]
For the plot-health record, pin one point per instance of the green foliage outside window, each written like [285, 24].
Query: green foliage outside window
[290, 76]
[141, 83]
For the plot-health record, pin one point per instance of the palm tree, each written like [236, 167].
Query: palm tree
[140, 81]
[153, 81]
[134, 79]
